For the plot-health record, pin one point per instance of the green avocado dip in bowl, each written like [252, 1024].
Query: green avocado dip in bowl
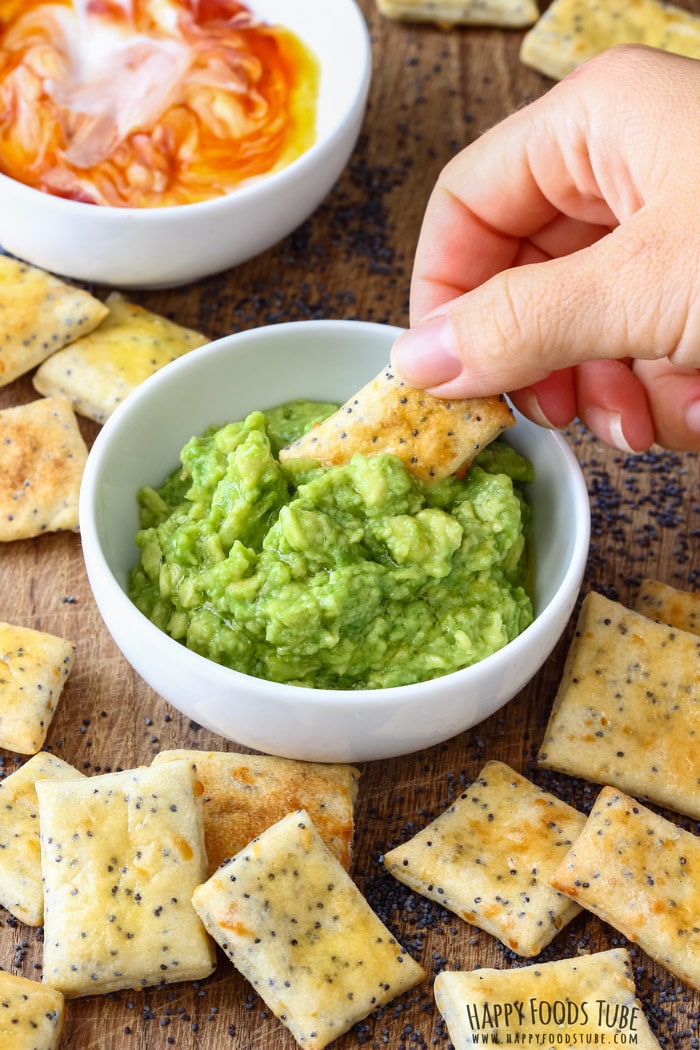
[349, 613]
[358, 576]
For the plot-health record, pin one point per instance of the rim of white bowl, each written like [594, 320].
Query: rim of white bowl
[100, 574]
[248, 192]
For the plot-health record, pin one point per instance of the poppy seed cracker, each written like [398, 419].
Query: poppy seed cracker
[627, 710]
[39, 314]
[43, 458]
[32, 1016]
[589, 1000]
[245, 794]
[488, 857]
[638, 871]
[121, 854]
[21, 891]
[660, 601]
[433, 437]
[507, 13]
[97, 371]
[293, 922]
[34, 666]
[571, 31]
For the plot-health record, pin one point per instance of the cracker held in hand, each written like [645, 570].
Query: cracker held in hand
[572, 31]
[21, 891]
[99, 370]
[121, 854]
[507, 13]
[637, 871]
[34, 666]
[489, 856]
[32, 1016]
[627, 711]
[586, 1001]
[39, 314]
[43, 458]
[244, 794]
[659, 601]
[433, 437]
[296, 926]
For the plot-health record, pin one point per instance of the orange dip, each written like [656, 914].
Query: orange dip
[147, 103]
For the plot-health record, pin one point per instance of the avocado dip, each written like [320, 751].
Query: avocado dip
[357, 576]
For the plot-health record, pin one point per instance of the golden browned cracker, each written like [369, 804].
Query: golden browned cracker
[488, 857]
[32, 1016]
[39, 314]
[121, 854]
[34, 666]
[296, 926]
[637, 871]
[627, 711]
[21, 891]
[43, 458]
[589, 1000]
[505, 13]
[97, 371]
[433, 437]
[572, 31]
[660, 601]
[244, 794]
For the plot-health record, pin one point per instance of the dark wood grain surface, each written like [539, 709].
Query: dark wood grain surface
[432, 92]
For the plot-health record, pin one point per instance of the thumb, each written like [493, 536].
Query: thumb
[626, 295]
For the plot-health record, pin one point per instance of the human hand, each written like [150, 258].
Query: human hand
[559, 257]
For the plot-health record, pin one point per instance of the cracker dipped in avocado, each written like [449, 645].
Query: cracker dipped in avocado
[356, 574]
[432, 436]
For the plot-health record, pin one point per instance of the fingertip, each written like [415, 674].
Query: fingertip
[612, 402]
[692, 416]
[551, 402]
[528, 404]
[426, 355]
[674, 401]
[633, 434]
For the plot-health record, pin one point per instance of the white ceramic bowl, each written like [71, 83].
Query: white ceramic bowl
[159, 247]
[222, 381]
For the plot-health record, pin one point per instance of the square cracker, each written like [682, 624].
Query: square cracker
[121, 854]
[591, 998]
[637, 871]
[34, 666]
[31, 1015]
[659, 601]
[627, 710]
[21, 891]
[97, 371]
[296, 926]
[39, 314]
[506, 13]
[433, 437]
[572, 31]
[488, 857]
[43, 458]
[244, 794]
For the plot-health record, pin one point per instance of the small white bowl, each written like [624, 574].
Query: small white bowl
[223, 381]
[161, 247]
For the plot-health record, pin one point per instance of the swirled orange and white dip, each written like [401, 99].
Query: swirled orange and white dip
[148, 103]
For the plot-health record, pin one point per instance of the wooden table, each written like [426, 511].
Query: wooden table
[432, 92]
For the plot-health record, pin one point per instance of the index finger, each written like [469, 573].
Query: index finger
[502, 192]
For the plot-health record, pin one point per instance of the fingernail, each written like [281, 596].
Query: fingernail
[608, 427]
[533, 409]
[692, 416]
[426, 355]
